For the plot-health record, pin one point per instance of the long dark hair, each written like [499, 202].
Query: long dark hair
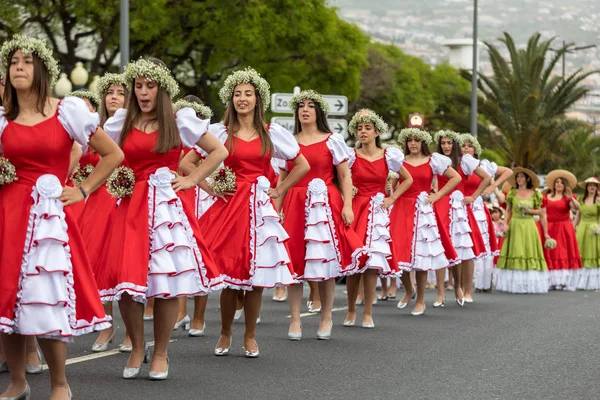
[586, 193]
[230, 120]
[40, 88]
[528, 180]
[322, 124]
[424, 148]
[564, 182]
[103, 110]
[168, 136]
[455, 153]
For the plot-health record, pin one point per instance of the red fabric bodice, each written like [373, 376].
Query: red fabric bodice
[141, 157]
[321, 163]
[246, 161]
[471, 185]
[369, 177]
[557, 210]
[443, 180]
[422, 177]
[90, 158]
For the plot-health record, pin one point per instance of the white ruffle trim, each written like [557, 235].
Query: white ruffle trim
[176, 268]
[484, 268]
[137, 292]
[481, 217]
[517, 281]
[567, 278]
[460, 231]
[45, 303]
[203, 202]
[427, 251]
[589, 279]
[378, 239]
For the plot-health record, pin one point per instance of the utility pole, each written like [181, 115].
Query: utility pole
[474, 74]
[124, 33]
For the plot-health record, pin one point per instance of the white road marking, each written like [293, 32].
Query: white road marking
[309, 314]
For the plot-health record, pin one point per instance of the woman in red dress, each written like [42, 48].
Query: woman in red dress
[154, 248]
[371, 165]
[48, 289]
[564, 261]
[94, 220]
[484, 264]
[456, 217]
[322, 245]
[417, 243]
[242, 228]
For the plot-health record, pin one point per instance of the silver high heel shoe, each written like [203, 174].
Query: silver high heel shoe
[296, 336]
[197, 332]
[321, 335]
[402, 305]
[417, 313]
[132, 373]
[159, 376]
[184, 323]
[100, 347]
[437, 304]
[222, 351]
[252, 353]
[125, 348]
[24, 395]
[35, 369]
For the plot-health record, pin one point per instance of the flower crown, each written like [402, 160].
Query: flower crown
[153, 72]
[367, 116]
[468, 138]
[29, 45]
[248, 75]
[86, 94]
[109, 79]
[449, 134]
[423, 136]
[309, 95]
[201, 109]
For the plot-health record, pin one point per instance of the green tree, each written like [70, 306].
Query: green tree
[525, 102]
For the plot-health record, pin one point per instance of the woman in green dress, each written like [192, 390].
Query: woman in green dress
[588, 235]
[521, 267]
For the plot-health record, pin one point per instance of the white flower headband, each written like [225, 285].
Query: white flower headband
[367, 116]
[153, 72]
[309, 95]
[468, 138]
[248, 75]
[449, 134]
[29, 45]
[109, 79]
[201, 109]
[86, 94]
[418, 134]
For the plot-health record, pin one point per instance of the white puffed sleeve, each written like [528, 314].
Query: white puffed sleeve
[394, 159]
[3, 124]
[469, 164]
[114, 125]
[191, 128]
[75, 116]
[217, 130]
[338, 149]
[351, 157]
[439, 163]
[286, 147]
[278, 165]
[490, 167]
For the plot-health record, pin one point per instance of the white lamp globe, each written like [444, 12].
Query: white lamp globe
[79, 76]
[94, 84]
[63, 86]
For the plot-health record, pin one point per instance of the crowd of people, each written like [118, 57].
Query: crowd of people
[125, 195]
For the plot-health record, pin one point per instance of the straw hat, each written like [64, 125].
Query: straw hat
[560, 173]
[506, 186]
[494, 207]
[593, 180]
[534, 178]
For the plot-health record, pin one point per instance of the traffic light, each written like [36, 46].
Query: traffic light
[416, 121]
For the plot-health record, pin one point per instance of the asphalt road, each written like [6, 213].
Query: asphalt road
[500, 347]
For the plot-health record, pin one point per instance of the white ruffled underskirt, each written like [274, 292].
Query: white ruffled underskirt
[460, 230]
[566, 279]
[45, 303]
[589, 279]
[480, 215]
[517, 281]
[484, 268]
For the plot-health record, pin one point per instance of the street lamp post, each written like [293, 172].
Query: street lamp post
[474, 75]
[124, 33]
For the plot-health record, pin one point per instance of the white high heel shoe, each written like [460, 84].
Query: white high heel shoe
[325, 335]
[100, 347]
[238, 314]
[35, 369]
[132, 373]
[252, 353]
[159, 376]
[223, 351]
[184, 323]
[24, 395]
[417, 313]
[197, 332]
[402, 305]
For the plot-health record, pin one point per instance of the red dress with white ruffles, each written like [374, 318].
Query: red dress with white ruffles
[321, 245]
[371, 221]
[154, 248]
[245, 234]
[47, 287]
[564, 261]
[456, 218]
[417, 243]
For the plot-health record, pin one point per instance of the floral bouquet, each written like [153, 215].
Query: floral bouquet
[354, 191]
[81, 174]
[524, 208]
[595, 229]
[222, 180]
[121, 182]
[8, 173]
[550, 244]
